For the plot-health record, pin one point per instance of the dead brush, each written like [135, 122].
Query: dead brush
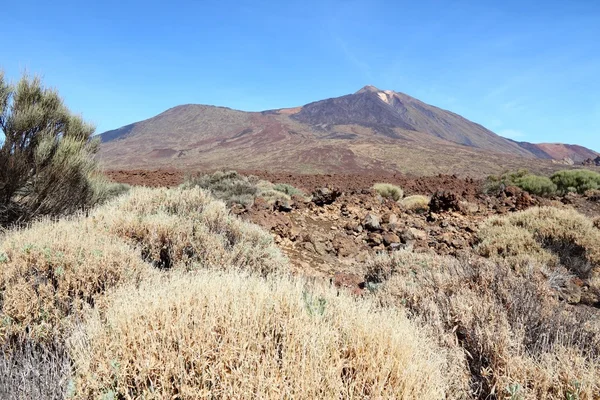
[505, 328]
[187, 228]
[30, 370]
[52, 271]
[225, 335]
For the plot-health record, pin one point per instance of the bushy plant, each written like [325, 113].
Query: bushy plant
[230, 186]
[534, 184]
[224, 335]
[46, 158]
[552, 236]
[52, 271]
[30, 370]
[389, 191]
[288, 189]
[416, 203]
[578, 180]
[538, 185]
[491, 319]
[188, 229]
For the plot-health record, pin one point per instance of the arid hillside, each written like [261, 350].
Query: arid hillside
[370, 130]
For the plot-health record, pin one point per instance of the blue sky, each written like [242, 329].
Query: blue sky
[525, 69]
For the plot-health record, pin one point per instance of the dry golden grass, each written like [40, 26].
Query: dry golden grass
[512, 333]
[52, 271]
[234, 336]
[416, 203]
[388, 190]
[187, 228]
[551, 236]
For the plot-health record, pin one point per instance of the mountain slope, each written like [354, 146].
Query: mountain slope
[368, 130]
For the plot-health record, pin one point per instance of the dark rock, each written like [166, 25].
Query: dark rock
[325, 196]
[444, 201]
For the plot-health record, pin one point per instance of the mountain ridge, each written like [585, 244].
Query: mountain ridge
[368, 129]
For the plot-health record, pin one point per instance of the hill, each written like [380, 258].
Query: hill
[370, 130]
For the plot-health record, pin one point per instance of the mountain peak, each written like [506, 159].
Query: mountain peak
[369, 89]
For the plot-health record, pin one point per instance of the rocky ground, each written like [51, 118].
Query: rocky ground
[341, 221]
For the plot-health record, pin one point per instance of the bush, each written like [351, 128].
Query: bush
[534, 184]
[230, 186]
[537, 185]
[46, 158]
[552, 236]
[416, 203]
[52, 271]
[188, 229]
[503, 330]
[222, 335]
[578, 180]
[288, 189]
[389, 191]
[31, 370]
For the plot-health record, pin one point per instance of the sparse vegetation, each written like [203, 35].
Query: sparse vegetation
[550, 236]
[46, 157]
[417, 203]
[52, 271]
[30, 370]
[534, 184]
[234, 188]
[229, 335]
[288, 189]
[390, 191]
[502, 328]
[187, 228]
[578, 180]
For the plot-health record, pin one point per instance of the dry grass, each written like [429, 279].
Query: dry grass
[52, 271]
[224, 335]
[552, 236]
[388, 190]
[34, 371]
[187, 228]
[507, 330]
[417, 203]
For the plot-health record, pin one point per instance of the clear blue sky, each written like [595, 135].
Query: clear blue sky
[525, 69]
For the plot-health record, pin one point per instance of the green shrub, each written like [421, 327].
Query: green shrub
[538, 185]
[229, 186]
[577, 180]
[288, 189]
[389, 191]
[46, 158]
[534, 184]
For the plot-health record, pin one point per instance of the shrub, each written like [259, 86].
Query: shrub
[46, 158]
[534, 184]
[230, 186]
[550, 235]
[578, 180]
[288, 189]
[31, 370]
[416, 203]
[52, 271]
[187, 228]
[502, 329]
[389, 191]
[271, 196]
[222, 335]
[537, 185]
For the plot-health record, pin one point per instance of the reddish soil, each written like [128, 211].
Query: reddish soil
[157, 178]
[467, 188]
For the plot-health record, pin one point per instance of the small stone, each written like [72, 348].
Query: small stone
[390, 238]
[372, 222]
